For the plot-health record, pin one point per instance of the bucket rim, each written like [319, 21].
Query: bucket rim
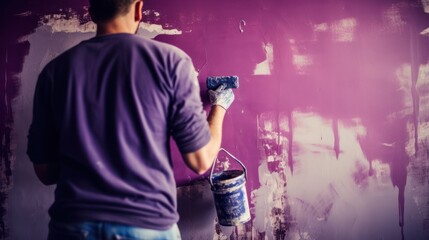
[218, 174]
[229, 184]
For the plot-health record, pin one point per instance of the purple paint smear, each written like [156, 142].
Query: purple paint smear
[335, 59]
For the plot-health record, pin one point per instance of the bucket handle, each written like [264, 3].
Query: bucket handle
[242, 165]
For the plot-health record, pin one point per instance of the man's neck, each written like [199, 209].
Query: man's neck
[117, 25]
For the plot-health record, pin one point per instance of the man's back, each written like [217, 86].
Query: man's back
[102, 118]
[109, 107]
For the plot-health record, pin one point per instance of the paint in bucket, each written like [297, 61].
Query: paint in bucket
[230, 196]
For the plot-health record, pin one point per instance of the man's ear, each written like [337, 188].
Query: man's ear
[138, 14]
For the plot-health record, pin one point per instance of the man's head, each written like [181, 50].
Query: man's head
[105, 11]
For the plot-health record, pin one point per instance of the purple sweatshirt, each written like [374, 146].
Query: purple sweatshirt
[105, 111]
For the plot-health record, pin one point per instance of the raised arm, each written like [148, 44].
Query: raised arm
[202, 159]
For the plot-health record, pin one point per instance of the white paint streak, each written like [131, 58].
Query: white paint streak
[403, 77]
[425, 32]
[272, 130]
[391, 145]
[265, 67]
[24, 14]
[344, 30]
[266, 198]
[422, 87]
[410, 147]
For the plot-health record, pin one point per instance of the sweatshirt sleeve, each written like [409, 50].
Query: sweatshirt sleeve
[190, 128]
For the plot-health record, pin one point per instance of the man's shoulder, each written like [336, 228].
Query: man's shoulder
[165, 48]
[159, 49]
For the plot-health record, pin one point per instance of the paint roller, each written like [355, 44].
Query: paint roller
[215, 81]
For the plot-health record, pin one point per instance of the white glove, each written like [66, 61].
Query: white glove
[221, 96]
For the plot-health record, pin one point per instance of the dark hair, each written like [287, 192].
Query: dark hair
[103, 10]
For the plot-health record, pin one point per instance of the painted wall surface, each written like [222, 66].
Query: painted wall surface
[331, 117]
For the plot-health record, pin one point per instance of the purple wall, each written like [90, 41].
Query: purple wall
[331, 117]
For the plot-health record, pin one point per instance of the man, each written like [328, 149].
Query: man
[104, 112]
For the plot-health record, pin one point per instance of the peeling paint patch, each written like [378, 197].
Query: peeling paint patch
[425, 4]
[329, 193]
[313, 132]
[380, 171]
[270, 204]
[344, 30]
[422, 87]
[66, 24]
[403, 75]
[321, 27]
[158, 29]
[265, 67]
[392, 19]
[300, 61]
[63, 23]
[273, 129]
[410, 147]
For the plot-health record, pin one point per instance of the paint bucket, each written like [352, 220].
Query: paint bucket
[230, 196]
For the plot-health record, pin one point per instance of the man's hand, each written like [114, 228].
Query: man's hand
[221, 96]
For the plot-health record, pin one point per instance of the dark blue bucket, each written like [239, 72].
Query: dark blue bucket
[230, 196]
